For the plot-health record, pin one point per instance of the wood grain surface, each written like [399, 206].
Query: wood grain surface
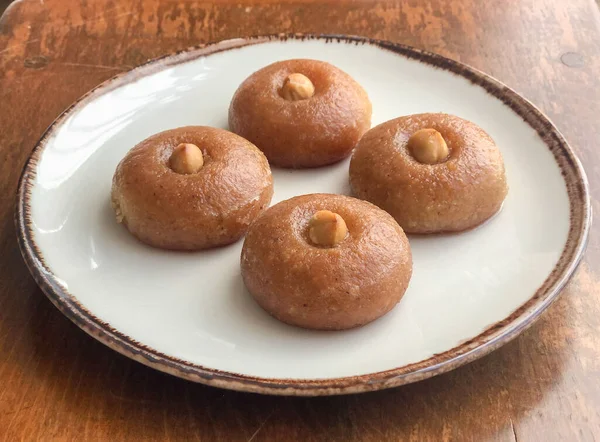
[56, 383]
[3, 5]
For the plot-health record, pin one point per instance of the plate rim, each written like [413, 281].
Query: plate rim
[484, 343]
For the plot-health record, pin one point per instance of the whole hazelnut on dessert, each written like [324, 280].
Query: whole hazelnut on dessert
[327, 228]
[428, 146]
[186, 159]
[297, 87]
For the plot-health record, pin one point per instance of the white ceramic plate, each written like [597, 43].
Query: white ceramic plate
[189, 314]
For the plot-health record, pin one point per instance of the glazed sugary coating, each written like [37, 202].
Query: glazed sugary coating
[308, 132]
[456, 194]
[328, 288]
[209, 208]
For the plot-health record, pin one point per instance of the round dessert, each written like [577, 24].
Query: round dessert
[431, 172]
[326, 262]
[301, 113]
[191, 188]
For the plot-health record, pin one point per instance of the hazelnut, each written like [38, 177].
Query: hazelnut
[186, 159]
[427, 146]
[327, 228]
[297, 87]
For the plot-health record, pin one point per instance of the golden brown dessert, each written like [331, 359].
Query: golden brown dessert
[301, 113]
[431, 172]
[326, 262]
[191, 188]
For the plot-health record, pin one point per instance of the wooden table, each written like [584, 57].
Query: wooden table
[58, 383]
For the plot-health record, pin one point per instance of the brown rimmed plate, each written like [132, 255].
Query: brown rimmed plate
[188, 314]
